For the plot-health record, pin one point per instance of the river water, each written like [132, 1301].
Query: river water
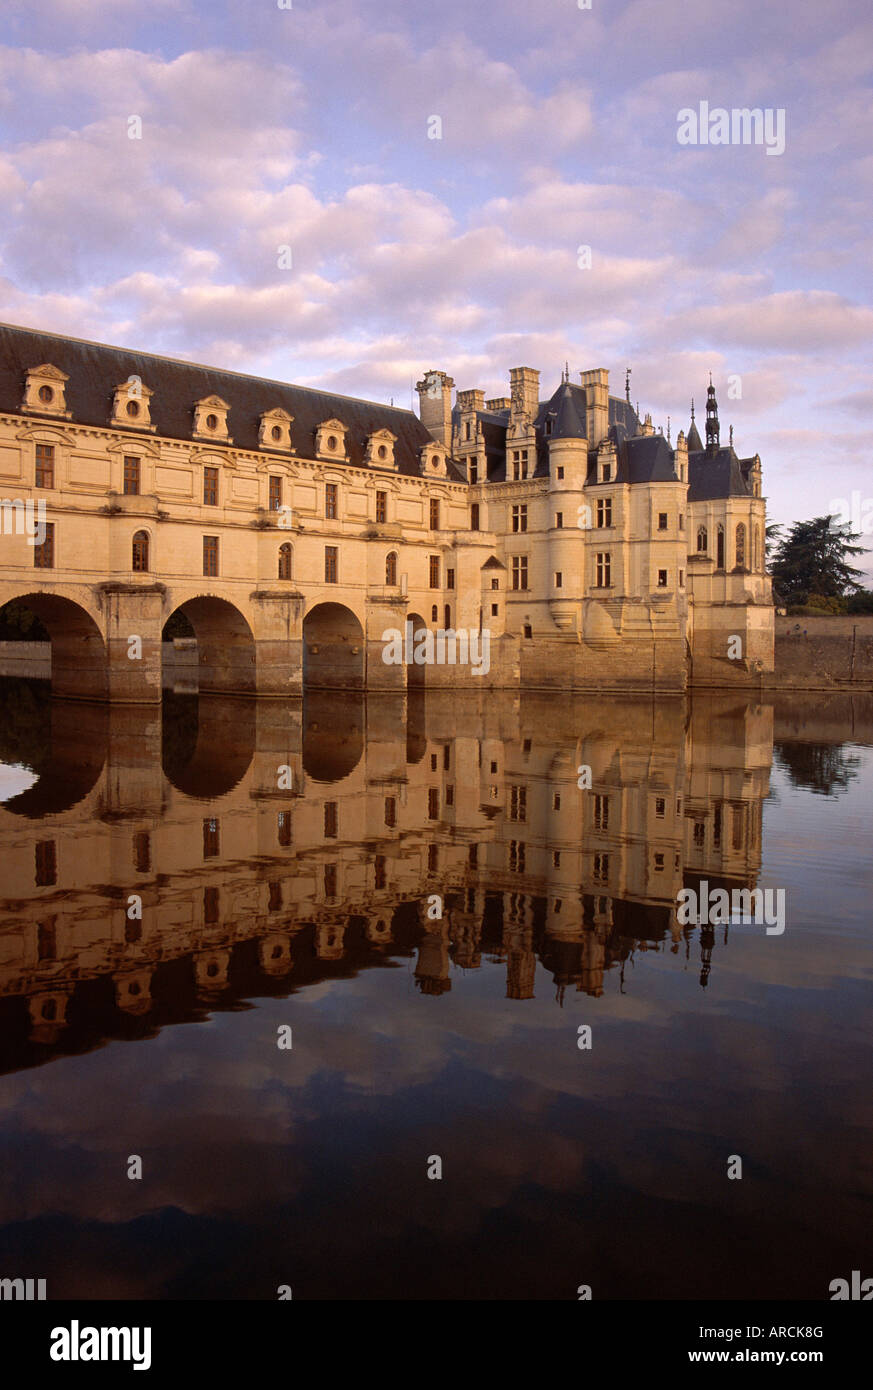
[291, 997]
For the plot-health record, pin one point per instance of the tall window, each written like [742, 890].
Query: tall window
[131, 476]
[450, 579]
[756, 548]
[474, 471]
[210, 487]
[702, 540]
[519, 571]
[275, 492]
[381, 507]
[603, 570]
[210, 556]
[519, 518]
[331, 820]
[434, 514]
[662, 521]
[741, 547]
[211, 837]
[45, 465]
[46, 863]
[331, 564]
[434, 571]
[140, 556]
[44, 555]
[519, 465]
[719, 543]
[286, 561]
[390, 811]
[331, 505]
[517, 803]
[604, 511]
[391, 567]
[474, 517]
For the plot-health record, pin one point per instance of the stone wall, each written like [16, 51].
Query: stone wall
[823, 653]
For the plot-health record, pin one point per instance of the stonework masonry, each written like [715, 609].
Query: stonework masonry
[293, 528]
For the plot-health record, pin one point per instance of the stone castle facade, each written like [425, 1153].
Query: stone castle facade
[294, 528]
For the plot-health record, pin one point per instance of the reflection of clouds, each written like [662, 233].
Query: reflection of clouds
[15, 778]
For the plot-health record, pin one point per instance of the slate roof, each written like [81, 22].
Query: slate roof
[95, 370]
[694, 442]
[716, 475]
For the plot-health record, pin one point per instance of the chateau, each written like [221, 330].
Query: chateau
[293, 528]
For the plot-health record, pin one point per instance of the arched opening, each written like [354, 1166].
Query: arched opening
[77, 664]
[333, 648]
[391, 568]
[139, 560]
[286, 561]
[225, 648]
[415, 670]
[741, 547]
[702, 540]
[719, 558]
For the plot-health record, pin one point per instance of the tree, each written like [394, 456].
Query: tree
[814, 559]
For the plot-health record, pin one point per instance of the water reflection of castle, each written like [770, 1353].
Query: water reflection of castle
[250, 888]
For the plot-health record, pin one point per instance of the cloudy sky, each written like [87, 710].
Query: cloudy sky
[308, 127]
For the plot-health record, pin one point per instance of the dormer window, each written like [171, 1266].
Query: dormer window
[432, 461]
[380, 449]
[330, 440]
[44, 391]
[275, 430]
[210, 419]
[131, 406]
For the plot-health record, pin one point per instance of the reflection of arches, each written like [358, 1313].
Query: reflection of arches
[139, 560]
[207, 745]
[225, 645]
[333, 734]
[79, 665]
[391, 567]
[333, 648]
[65, 744]
[286, 561]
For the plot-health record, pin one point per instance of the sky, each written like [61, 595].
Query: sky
[285, 210]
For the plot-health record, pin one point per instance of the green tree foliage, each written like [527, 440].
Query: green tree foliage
[813, 559]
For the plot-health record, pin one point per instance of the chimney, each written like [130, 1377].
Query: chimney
[596, 385]
[435, 405]
[524, 385]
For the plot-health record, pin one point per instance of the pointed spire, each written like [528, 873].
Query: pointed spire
[567, 422]
[694, 441]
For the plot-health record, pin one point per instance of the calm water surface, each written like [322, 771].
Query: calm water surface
[290, 861]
